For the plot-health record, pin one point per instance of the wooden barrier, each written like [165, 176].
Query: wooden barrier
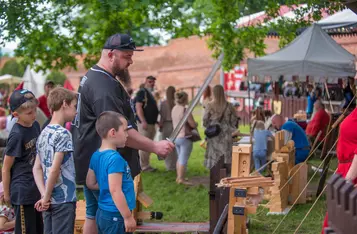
[284, 169]
[341, 205]
[242, 186]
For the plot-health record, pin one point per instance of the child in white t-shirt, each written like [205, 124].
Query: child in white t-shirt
[7, 216]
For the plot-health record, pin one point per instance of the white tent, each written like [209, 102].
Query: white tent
[314, 53]
[10, 79]
[34, 81]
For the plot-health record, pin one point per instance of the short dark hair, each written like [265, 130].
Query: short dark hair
[151, 78]
[50, 83]
[57, 96]
[106, 121]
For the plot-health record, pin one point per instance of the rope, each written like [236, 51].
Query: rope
[312, 153]
[301, 164]
[261, 168]
[281, 221]
[307, 214]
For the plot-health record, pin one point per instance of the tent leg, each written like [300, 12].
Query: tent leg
[329, 98]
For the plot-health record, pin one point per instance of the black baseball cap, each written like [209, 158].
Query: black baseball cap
[18, 98]
[120, 41]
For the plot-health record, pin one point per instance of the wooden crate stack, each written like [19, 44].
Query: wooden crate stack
[284, 192]
[242, 186]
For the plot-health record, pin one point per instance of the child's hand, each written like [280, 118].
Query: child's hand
[130, 224]
[5, 199]
[42, 205]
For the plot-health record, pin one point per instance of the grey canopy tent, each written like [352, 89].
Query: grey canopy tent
[314, 53]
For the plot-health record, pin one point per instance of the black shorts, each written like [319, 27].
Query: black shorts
[28, 220]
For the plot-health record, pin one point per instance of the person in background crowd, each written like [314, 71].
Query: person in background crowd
[148, 112]
[258, 115]
[183, 145]
[221, 145]
[260, 146]
[293, 132]
[42, 100]
[349, 91]
[311, 98]
[7, 215]
[206, 96]
[319, 122]
[166, 126]
[100, 91]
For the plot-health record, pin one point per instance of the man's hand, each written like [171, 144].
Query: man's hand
[163, 148]
[144, 125]
[130, 224]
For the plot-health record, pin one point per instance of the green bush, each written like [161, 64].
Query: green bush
[57, 77]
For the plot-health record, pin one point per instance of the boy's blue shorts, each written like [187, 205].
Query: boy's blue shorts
[110, 222]
[91, 197]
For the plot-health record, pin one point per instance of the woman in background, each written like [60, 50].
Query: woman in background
[206, 97]
[221, 112]
[183, 144]
[166, 126]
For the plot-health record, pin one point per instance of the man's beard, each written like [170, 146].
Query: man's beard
[123, 75]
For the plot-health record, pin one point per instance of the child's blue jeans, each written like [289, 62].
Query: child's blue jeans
[110, 222]
[260, 158]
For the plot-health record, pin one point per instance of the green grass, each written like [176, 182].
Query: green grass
[191, 204]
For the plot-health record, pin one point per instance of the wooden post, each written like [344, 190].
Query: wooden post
[237, 213]
[279, 194]
[241, 160]
[298, 182]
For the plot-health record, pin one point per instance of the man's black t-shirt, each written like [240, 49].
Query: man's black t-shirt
[99, 91]
[21, 144]
[151, 112]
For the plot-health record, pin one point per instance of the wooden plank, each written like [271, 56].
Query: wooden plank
[299, 181]
[232, 219]
[279, 140]
[279, 194]
[173, 227]
[240, 222]
[144, 199]
[241, 160]
[232, 201]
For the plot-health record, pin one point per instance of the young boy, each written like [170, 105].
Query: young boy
[20, 188]
[109, 171]
[54, 166]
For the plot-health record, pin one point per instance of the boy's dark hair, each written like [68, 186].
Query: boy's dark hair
[50, 84]
[106, 121]
[57, 96]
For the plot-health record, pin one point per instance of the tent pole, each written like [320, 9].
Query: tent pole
[328, 96]
[249, 111]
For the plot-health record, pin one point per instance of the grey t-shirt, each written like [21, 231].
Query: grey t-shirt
[55, 138]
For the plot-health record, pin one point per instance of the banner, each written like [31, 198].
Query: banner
[233, 78]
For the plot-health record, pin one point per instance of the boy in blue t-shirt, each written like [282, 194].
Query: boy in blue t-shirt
[110, 173]
[54, 171]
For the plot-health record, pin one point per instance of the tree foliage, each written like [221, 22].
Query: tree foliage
[13, 67]
[54, 31]
[57, 77]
